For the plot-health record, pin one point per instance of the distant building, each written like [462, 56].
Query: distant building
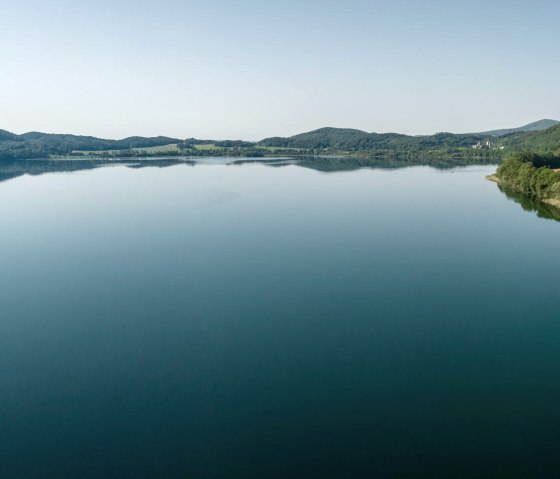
[486, 145]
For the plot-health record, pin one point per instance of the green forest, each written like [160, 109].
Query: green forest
[547, 140]
[486, 147]
[531, 174]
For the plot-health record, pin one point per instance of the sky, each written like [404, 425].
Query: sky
[250, 69]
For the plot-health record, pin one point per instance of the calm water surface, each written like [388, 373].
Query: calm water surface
[252, 321]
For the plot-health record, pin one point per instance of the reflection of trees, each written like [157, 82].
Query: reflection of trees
[15, 168]
[529, 203]
[328, 164]
[344, 164]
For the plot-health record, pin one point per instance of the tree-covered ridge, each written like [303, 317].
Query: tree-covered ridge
[343, 139]
[531, 174]
[534, 126]
[324, 141]
[42, 145]
[543, 141]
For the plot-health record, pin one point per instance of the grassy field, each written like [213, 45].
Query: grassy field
[159, 149]
[205, 147]
[151, 149]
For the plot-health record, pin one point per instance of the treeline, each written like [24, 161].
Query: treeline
[341, 139]
[43, 145]
[225, 151]
[218, 148]
[102, 154]
[545, 141]
[531, 174]
[332, 140]
[322, 142]
[184, 152]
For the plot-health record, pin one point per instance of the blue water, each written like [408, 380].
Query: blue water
[253, 321]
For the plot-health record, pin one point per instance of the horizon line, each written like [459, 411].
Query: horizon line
[287, 136]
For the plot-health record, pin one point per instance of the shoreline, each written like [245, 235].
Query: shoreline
[555, 202]
[552, 202]
[494, 178]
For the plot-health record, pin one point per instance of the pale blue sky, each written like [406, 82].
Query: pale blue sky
[248, 69]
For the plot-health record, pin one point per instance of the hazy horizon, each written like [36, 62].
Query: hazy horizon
[252, 70]
[270, 136]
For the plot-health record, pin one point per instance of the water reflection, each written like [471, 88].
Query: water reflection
[15, 168]
[328, 164]
[531, 204]
[245, 321]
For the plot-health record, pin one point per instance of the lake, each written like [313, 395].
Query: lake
[273, 320]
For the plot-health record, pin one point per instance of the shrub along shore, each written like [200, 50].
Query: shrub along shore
[531, 174]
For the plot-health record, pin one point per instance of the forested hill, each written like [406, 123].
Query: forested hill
[39, 145]
[327, 141]
[535, 126]
[541, 141]
[341, 139]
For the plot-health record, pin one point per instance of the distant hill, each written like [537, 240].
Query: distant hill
[76, 142]
[322, 141]
[321, 138]
[39, 145]
[540, 141]
[535, 126]
[7, 136]
[343, 139]
[541, 135]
